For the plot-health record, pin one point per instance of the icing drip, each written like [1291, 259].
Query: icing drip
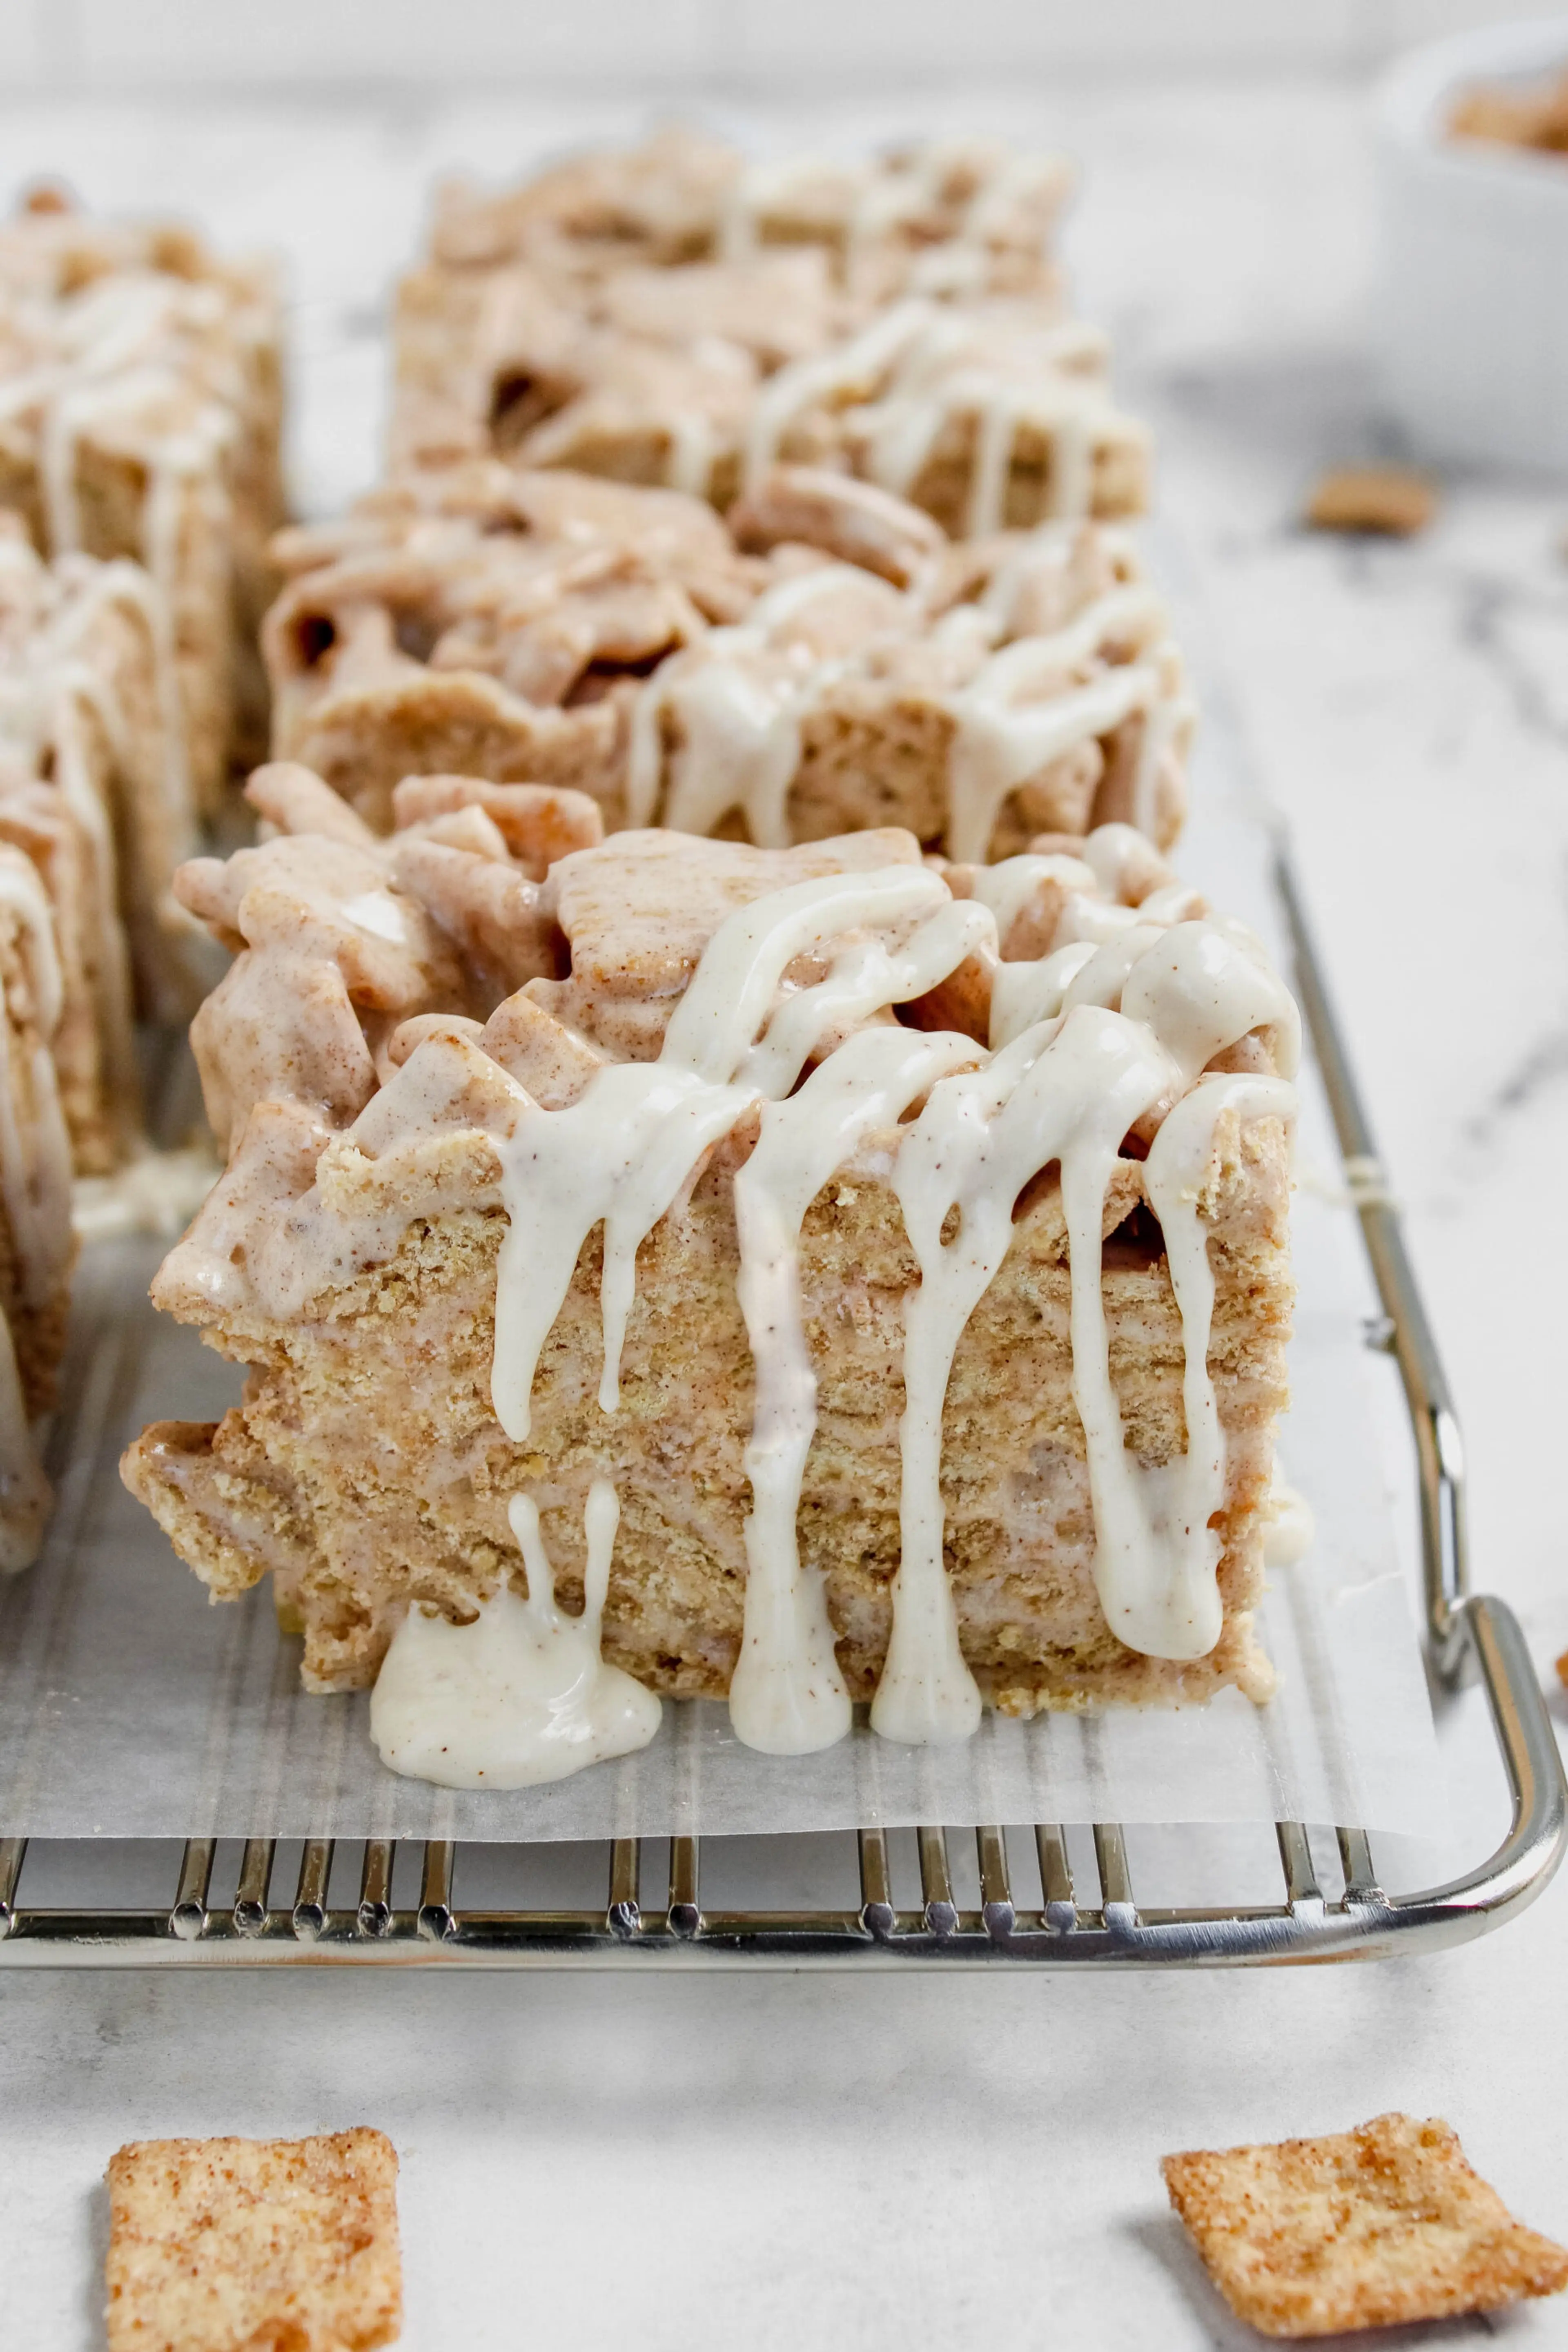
[1067, 1091]
[918, 367]
[1071, 1096]
[623, 1151]
[619, 1155]
[1161, 1594]
[522, 1695]
[853, 371]
[1291, 1528]
[742, 694]
[786, 1695]
[1011, 724]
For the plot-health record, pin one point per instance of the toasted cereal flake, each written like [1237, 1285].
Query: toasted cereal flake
[244, 2245]
[1360, 2228]
[1384, 498]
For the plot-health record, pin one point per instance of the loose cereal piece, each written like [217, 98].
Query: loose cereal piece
[1383, 499]
[1360, 2228]
[246, 2245]
[1534, 117]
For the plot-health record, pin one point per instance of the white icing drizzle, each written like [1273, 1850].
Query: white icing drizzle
[742, 694]
[623, 1151]
[1067, 1092]
[1049, 543]
[918, 366]
[155, 1192]
[959, 264]
[1164, 1594]
[786, 1695]
[886, 198]
[739, 700]
[1291, 1528]
[1010, 725]
[853, 371]
[1024, 994]
[523, 1694]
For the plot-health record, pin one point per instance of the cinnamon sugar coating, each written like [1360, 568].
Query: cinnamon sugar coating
[349, 1256]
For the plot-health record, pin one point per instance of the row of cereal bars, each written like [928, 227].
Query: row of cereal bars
[777, 501]
[767, 501]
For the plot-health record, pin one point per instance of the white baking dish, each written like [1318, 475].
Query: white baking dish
[1470, 319]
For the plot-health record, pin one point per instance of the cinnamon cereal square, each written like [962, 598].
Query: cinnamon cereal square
[1360, 2228]
[244, 2245]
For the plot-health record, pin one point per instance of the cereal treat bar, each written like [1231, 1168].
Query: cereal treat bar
[36, 1242]
[140, 404]
[996, 411]
[968, 216]
[673, 316]
[95, 815]
[824, 660]
[90, 726]
[897, 1251]
[37, 1245]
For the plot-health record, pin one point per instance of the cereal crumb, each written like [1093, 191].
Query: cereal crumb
[1360, 2228]
[1384, 498]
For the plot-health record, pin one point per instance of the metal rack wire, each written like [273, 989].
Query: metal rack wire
[1360, 1920]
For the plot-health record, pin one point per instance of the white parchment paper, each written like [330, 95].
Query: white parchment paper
[130, 1706]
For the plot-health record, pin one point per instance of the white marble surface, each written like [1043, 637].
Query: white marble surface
[793, 2161]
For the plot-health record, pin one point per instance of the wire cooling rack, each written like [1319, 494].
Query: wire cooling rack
[891, 1925]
